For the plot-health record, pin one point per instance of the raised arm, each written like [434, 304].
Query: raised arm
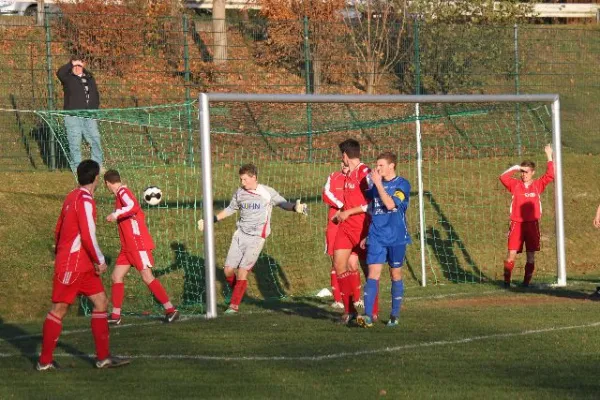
[548, 177]
[506, 177]
[63, 72]
[226, 212]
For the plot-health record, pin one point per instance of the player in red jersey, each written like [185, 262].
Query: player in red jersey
[525, 212]
[353, 227]
[136, 248]
[78, 264]
[333, 195]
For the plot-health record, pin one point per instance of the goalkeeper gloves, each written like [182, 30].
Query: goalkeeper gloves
[201, 223]
[301, 208]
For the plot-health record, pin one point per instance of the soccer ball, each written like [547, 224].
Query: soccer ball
[152, 195]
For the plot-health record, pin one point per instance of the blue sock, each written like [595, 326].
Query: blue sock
[397, 295]
[370, 294]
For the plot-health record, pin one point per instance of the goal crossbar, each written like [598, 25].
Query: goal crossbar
[204, 117]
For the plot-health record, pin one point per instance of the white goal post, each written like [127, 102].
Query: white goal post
[205, 100]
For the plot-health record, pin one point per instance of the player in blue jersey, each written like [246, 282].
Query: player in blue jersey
[388, 196]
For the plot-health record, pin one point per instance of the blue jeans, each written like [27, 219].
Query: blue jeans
[88, 128]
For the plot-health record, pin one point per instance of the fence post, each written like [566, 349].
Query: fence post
[307, 69]
[50, 76]
[188, 100]
[517, 89]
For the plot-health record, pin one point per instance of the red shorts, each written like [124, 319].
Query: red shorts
[85, 283]
[346, 238]
[527, 232]
[330, 234]
[140, 259]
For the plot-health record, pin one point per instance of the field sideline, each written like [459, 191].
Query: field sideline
[455, 341]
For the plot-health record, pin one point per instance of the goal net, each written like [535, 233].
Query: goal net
[452, 149]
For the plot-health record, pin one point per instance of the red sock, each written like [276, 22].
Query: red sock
[529, 267]
[355, 282]
[231, 281]
[117, 294]
[50, 333]
[335, 287]
[508, 267]
[238, 294]
[161, 295]
[345, 282]
[100, 333]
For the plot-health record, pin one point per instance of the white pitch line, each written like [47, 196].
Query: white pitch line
[334, 356]
[71, 332]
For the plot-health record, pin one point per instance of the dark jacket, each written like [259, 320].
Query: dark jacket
[74, 91]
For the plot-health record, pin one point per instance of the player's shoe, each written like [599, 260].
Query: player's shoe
[231, 311]
[172, 316]
[359, 305]
[506, 285]
[364, 321]
[53, 366]
[338, 305]
[112, 362]
[393, 322]
[375, 318]
[114, 321]
[347, 319]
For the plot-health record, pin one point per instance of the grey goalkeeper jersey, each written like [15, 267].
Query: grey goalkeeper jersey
[255, 208]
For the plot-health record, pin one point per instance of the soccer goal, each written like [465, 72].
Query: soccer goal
[452, 148]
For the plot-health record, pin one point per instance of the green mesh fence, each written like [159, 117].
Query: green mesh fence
[465, 148]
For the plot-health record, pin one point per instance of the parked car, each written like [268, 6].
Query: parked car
[23, 7]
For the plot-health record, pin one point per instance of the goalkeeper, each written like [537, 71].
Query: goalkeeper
[255, 203]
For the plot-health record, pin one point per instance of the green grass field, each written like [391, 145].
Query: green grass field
[454, 342]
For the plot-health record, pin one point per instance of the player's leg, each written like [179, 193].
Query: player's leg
[355, 266]
[396, 255]
[250, 248]
[532, 244]
[117, 291]
[232, 262]
[515, 245]
[231, 279]
[50, 333]
[74, 133]
[65, 287]
[376, 256]
[143, 262]
[93, 289]
[342, 250]
[330, 234]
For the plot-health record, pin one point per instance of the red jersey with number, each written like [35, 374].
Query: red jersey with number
[133, 231]
[77, 248]
[333, 192]
[355, 187]
[526, 204]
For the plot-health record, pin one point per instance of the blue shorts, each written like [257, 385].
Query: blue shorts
[393, 255]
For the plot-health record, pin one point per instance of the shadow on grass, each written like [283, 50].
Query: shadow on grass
[27, 344]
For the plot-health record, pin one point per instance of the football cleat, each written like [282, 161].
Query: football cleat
[112, 362]
[393, 322]
[338, 305]
[347, 319]
[172, 316]
[114, 321]
[364, 321]
[231, 311]
[359, 304]
[53, 366]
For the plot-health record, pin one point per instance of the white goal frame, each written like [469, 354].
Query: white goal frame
[204, 108]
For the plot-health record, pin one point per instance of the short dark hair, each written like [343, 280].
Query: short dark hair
[389, 157]
[76, 57]
[351, 148]
[528, 163]
[249, 169]
[112, 176]
[87, 171]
